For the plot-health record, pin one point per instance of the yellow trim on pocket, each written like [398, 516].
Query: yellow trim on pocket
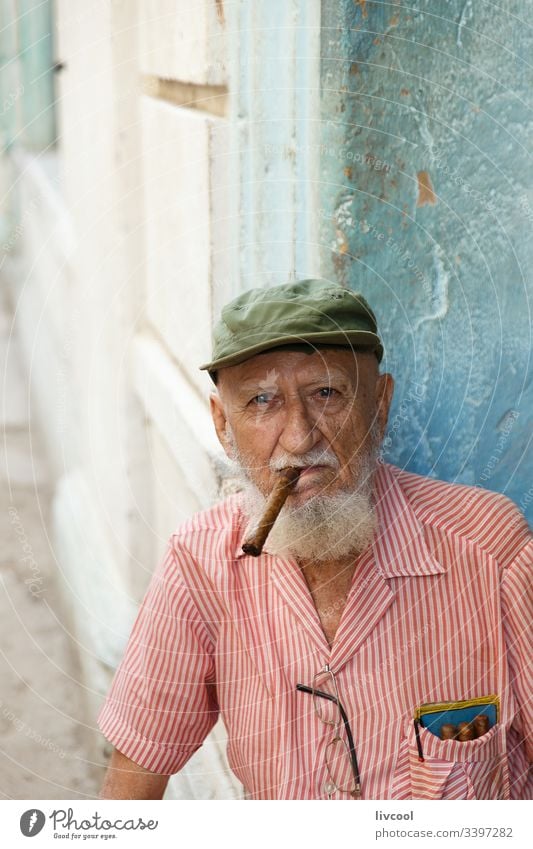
[436, 707]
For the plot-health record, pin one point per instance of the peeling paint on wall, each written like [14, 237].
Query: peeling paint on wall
[426, 195]
[362, 4]
[427, 192]
[220, 11]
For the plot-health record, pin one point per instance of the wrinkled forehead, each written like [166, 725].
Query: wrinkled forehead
[325, 363]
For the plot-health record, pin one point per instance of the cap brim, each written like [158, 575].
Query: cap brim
[346, 337]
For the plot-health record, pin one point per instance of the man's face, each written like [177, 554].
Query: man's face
[323, 411]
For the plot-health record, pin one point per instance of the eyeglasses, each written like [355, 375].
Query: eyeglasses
[339, 753]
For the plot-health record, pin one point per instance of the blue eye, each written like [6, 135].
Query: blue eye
[328, 389]
[257, 399]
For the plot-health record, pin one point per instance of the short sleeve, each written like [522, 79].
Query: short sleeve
[162, 701]
[517, 609]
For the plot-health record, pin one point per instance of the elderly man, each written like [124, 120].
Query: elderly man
[378, 646]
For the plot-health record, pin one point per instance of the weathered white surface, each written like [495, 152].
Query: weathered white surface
[175, 499]
[180, 147]
[48, 747]
[184, 40]
[276, 117]
[180, 416]
[102, 605]
[14, 394]
[207, 775]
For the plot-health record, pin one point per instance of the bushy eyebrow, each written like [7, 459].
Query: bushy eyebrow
[258, 386]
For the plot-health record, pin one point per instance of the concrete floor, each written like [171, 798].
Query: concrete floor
[47, 747]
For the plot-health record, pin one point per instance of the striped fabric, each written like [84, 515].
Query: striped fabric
[440, 609]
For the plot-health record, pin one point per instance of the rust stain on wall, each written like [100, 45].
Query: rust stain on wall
[362, 4]
[342, 242]
[220, 11]
[426, 194]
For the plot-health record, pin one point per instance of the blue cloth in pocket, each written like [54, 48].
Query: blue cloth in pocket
[433, 715]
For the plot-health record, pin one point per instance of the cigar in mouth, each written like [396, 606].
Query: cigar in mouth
[254, 543]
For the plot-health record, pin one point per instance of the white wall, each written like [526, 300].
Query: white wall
[136, 227]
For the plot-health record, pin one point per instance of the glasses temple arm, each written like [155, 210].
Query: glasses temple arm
[353, 757]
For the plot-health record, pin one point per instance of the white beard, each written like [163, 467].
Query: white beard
[324, 528]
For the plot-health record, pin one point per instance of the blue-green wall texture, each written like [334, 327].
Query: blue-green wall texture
[427, 208]
[27, 114]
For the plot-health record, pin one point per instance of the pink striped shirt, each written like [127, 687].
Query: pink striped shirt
[440, 609]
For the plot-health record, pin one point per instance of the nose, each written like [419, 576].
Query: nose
[299, 433]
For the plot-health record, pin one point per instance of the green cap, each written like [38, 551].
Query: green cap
[309, 311]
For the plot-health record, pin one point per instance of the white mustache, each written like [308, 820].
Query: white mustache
[315, 458]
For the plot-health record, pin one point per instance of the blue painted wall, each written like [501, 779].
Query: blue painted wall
[27, 90]
[427, 208]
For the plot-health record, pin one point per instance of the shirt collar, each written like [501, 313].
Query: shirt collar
[399, 545]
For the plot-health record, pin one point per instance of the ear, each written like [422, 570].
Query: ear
[218, 414]
[384, 393]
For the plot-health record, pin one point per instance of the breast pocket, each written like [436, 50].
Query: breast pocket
[474, 769]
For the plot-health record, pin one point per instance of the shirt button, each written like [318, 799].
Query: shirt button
[329, 788]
